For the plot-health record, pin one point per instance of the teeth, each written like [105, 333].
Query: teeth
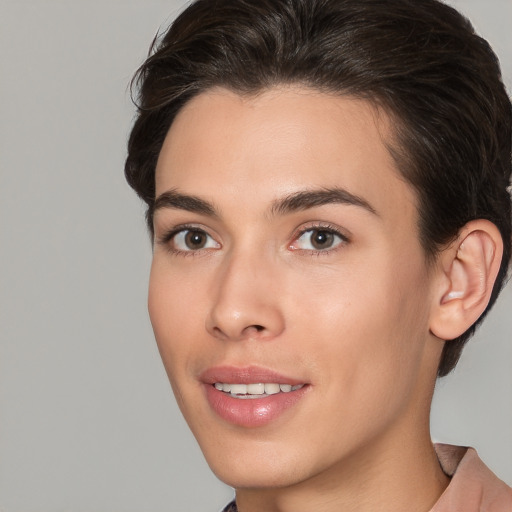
[256, 389]
[238, 389]
[272, 389]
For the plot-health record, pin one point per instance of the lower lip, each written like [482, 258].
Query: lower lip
[252, 412]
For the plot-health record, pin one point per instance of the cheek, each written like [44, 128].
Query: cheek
[174, 295]
[174, 309]
[366, 328]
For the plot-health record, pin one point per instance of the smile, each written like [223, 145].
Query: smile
[252, 396]
[256, 390]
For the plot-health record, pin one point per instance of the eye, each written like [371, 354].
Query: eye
[318, 239]
[186, 240]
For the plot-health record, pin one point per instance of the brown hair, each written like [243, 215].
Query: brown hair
[418, 59]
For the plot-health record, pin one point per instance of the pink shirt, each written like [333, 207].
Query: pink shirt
[474, 487]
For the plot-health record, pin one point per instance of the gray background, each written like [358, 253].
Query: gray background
[87, 419]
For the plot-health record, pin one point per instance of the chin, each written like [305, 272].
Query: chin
[256, 464]
[269, 476]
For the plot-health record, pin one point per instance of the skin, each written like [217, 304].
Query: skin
[352, 320]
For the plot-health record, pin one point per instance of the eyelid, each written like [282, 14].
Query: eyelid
[320, 226]
[168, 235]
[324, 226]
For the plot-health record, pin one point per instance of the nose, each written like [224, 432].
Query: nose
[246, 301]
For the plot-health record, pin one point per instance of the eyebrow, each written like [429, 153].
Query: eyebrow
[297, 201]
[176, 200]
[303, 200]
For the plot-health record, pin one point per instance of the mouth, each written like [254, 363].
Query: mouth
[252, 396]
[255, 390]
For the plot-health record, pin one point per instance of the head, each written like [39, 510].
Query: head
[326, 183]
[418, 62]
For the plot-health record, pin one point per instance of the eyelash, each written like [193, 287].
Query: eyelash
[168, 236]
[323, 227]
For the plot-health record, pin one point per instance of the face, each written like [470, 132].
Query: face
[289, 293]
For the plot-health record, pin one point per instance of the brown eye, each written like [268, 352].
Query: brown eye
[195, 239]
[321, 239]
[188, 240]
[318, 239]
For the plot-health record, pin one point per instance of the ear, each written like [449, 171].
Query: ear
[467, 272]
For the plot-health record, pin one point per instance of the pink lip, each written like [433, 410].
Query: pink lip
[254, 412]
[245, 375]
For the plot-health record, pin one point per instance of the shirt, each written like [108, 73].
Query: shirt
[473, 486]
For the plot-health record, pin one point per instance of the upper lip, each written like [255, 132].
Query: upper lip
[246, 375]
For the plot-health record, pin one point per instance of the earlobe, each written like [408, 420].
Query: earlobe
[468, 271]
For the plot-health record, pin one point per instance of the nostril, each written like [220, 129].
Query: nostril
[254, 328]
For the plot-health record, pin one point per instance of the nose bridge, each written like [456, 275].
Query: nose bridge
[244, 301]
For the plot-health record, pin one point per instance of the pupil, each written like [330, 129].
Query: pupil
[322, 239]
[195, 239]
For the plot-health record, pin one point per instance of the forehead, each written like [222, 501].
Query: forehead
[282, 140]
